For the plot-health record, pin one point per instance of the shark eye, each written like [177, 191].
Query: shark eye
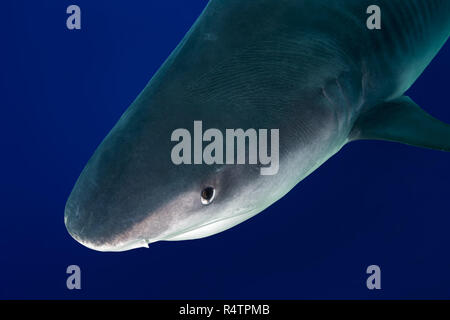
[207, 195]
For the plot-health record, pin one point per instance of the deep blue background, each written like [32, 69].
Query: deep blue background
[62, 91]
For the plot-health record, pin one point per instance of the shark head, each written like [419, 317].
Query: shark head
[131, 193]
[134, 190]
[230, 73]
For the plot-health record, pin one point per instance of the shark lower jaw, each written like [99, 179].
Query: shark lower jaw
[119, 247]
[210, 228]
[201, 231]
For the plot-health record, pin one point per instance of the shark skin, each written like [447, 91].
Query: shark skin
[310, 68]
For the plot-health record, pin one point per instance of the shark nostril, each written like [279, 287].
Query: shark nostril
[207, 195]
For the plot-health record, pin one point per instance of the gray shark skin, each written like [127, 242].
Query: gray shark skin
[311, 68]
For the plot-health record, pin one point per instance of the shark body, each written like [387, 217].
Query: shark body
[310, 68]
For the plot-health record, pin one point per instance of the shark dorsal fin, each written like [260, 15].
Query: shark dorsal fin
[402, 120]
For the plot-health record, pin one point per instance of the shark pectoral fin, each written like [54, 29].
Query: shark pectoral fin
[402, 120]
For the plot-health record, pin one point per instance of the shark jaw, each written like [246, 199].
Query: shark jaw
[202, 231]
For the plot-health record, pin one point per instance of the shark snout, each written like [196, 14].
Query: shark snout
[98, 218]
[84, 226]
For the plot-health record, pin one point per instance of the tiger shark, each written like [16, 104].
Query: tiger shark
[310, 68]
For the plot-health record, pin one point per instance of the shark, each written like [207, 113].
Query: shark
[311, 69]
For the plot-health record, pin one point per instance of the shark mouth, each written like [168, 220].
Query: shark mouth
[198, 232]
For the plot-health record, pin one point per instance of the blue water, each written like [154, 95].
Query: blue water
[62, 91]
